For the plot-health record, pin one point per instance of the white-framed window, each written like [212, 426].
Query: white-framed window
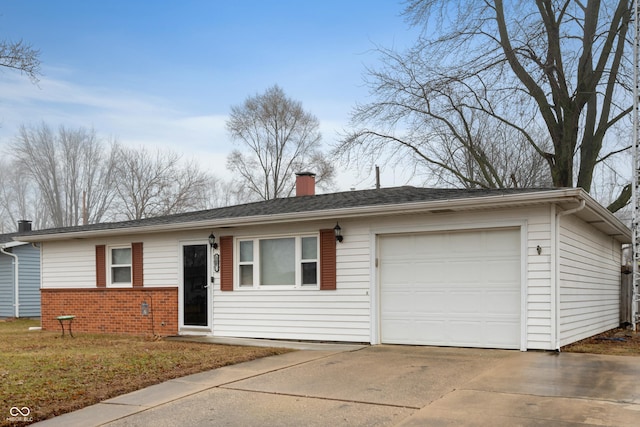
[278, 262]
[120, 271]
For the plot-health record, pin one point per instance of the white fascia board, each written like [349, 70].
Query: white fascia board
[12, 244]
[564, 195]
[621, 229]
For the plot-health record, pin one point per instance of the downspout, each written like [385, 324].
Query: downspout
[557, 266]
[16, 288]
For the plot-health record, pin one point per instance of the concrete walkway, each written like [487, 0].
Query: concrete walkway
[385, 386]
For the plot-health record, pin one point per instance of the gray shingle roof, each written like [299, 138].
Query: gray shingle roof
[320, 202]
[5, 238]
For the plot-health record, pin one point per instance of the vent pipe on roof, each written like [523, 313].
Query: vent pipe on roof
[305, 184]
[24, 225]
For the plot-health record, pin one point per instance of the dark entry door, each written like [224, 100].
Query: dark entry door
[194, 261]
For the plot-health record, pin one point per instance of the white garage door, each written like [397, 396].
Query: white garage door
[451, 289]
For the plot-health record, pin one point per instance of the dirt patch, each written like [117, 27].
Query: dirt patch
[619, 342]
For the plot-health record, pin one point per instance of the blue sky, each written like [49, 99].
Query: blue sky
[165, 73]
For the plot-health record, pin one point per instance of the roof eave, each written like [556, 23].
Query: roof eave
[553, 196]
[13, 244]
[615, 227]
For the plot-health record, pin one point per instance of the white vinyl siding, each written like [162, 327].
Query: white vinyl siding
[589, 281]
[340, 315]
[71, 264]
[162, 257]
[68, 264]
[539, 312]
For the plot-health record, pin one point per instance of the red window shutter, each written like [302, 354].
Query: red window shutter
[137, 276]
[101, 266]
[226, 263]
[327, 260]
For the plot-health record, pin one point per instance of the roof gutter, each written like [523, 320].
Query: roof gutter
[16, 286]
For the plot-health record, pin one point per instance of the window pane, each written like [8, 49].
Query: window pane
[278, 262]
[246, 275]
[121, 274]
[309, 248]
[121, 256]
[246, 251]
[309, 273]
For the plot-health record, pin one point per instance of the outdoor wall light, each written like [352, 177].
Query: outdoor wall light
[539, 249]
[212, 241]
[338, 232]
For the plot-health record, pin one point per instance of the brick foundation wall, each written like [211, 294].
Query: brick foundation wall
[112, 310]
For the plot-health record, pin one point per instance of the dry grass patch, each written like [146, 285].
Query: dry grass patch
[52, 375]
[618, 342]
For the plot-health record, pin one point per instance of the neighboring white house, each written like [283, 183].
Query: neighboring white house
[19, 276]
[512, 268]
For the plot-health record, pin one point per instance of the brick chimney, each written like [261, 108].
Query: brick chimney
[305, 184]
[24, 225]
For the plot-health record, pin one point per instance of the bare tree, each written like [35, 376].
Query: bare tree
[554, 72]
[20, 56]
[73, 177]
[16, 192]
[280, 139]
[19, 198]
[72, 169]
[154, 184]
[437, 130]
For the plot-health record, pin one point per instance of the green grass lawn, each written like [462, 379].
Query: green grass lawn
[51, 375]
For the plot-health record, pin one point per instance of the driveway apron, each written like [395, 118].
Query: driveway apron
[390, 385]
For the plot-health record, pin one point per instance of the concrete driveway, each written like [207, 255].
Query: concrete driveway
[389, 385]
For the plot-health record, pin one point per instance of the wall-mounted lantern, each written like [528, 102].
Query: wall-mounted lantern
[212, 241]
[338, 232]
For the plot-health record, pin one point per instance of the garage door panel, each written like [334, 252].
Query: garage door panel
[503, 302]
[455, 288]
[461, 272]
[498, 333]
[424, 244]
[428, 272]
[415, 302]
[504, 240]
[464, 333]
[505, 271]
[434, 328]
[464, 303]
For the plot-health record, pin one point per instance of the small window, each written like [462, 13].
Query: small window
[278, 262]
[309, 261]
[120, 266]
[246, 263]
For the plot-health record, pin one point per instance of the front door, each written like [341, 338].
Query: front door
[195, 285]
